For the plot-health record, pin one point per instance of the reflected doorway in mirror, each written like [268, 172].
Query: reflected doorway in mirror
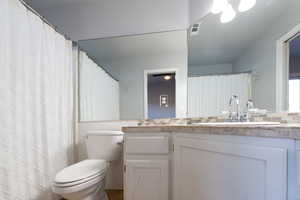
[160, 94]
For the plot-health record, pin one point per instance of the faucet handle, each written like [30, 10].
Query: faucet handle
[233, 97]
[250, 104]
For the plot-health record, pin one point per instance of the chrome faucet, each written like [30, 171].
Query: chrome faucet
[250, 105]
[234, 116]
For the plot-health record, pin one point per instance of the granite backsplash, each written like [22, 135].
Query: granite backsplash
[284, 118]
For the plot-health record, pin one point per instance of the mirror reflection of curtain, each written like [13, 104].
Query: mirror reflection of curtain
[209, 95]
[36, 104]
[99, 92]
[294, 95]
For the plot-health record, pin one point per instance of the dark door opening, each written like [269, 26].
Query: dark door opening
[294, 74]
[161, 96]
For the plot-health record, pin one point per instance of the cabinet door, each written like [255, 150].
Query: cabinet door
[147, 180]
[214, 170]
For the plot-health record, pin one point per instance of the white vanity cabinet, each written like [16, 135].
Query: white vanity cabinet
[213, 169]
[180, 166]
[147, 179]
[146, 168]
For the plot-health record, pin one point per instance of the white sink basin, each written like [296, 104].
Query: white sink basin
[238, 124]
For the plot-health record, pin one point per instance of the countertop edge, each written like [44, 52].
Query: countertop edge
[276, 131]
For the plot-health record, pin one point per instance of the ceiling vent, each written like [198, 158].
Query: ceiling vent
[195, 29]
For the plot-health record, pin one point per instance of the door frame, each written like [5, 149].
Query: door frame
[282, 69]
[157, 71]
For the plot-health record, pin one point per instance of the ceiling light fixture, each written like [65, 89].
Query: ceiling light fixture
[246, 5]
[167, 77]
[228, 14]
[218, 6]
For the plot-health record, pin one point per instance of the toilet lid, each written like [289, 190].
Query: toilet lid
[81, 170]
[100, 176]
[98, 182]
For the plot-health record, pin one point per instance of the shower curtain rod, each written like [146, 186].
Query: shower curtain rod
[44, 19]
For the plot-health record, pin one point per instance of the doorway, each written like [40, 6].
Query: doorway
[294, 74]
[285, 84]
[160, 95]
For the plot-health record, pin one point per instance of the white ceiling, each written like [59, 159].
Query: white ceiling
[217, 43]
[48, 4]
[198, 9]
[87, 19]
[222, 43]
[157, 44]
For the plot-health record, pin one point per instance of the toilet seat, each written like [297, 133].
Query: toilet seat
[79, 187]
[74, 183]
[80, 176]
[81, 171]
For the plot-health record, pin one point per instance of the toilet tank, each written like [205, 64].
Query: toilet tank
[105, 145]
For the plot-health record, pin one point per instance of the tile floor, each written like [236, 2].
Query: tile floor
[115, 194]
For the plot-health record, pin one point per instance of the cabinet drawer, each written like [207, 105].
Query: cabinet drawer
[147, 145]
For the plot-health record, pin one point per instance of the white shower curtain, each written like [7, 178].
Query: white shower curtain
[36, 104]
[209, 95]
[99, 92]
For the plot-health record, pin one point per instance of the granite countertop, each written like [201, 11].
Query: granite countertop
[290, 131]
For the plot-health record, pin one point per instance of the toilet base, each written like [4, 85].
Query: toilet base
[98, 196]
[88, 194]
[105, 197]
[102, 196]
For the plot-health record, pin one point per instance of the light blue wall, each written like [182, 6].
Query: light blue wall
[130, 73]
[261, 58]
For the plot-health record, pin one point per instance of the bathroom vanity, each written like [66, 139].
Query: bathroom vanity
[177, 162]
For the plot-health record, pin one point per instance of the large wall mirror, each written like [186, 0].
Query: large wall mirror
[255, 56]
[183, 74]
[134, 77]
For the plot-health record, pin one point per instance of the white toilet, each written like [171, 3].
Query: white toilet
[86, 180]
